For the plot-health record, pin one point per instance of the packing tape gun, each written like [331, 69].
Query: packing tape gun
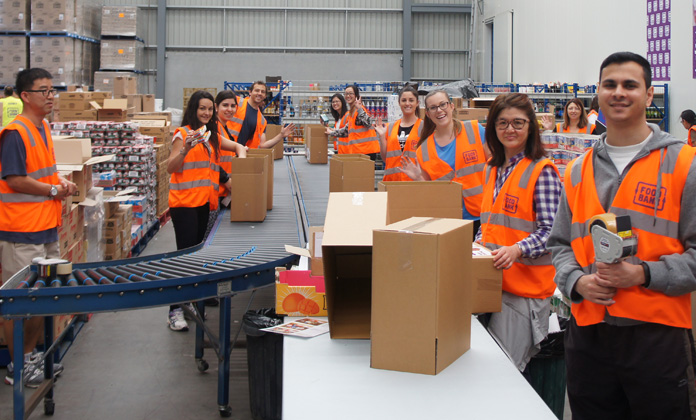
[612, 237]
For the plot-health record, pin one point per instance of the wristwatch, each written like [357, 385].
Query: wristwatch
[53, 192]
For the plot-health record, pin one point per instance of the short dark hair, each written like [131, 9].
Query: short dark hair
[258, 82]
[344, 107]
[625, 57]
[226, 94]
[356, 89]
[8, 91]
[533, 149]
[688, 116]
[27, 77]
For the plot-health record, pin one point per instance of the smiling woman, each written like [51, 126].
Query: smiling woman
[519, 173]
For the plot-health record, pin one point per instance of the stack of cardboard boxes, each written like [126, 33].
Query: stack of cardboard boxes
[118, 221]
[13, 58]
[79, 106]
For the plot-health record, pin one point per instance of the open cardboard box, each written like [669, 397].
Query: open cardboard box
[421, 295]
[314, 253]
[347, 257]
[249, 183]
[113, 110]
[269, 170]
[82, 175]
[316, 143]
[487, 281]
[72, 150]
[351, 172]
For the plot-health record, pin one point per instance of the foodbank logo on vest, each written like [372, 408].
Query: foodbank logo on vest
[470, 156]
[645, 195]
[510, 204]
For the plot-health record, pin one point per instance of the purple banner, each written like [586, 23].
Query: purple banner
[659, 28]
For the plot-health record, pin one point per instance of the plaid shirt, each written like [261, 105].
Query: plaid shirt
[547, 193]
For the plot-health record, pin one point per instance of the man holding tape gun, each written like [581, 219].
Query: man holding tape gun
[30, 195]
[629, 347]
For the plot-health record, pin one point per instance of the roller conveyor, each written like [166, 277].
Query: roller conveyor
[236, 257]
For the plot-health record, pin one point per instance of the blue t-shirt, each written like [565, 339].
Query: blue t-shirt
[13, 155]
[248, 129]
[448, 155]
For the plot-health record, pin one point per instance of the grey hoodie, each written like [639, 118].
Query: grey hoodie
[672, 275]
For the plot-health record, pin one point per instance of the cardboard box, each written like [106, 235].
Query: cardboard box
[407, 199]
[487, 281]
[482, 102]
[125, 85]
[347, 257]
[273, 130]
[71, 150]
[421, 296]
[351, 172]
[465, 114]
[114, 110]
[314, 253]
[13, 15]
[249, 185]
[269, 170]
[121, 20]
[82, 175]
[316, 143]
[148, 103]
[87, 115]
[298, 293]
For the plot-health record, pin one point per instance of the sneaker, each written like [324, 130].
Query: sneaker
[33, 371]
[57, 367]
[191, 308]
[9, 376]
[176, 320]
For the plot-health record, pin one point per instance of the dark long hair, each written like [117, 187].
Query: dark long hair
[344, 106]
[533, 149]
[191, 118]
[583, 115]
[689, 116]
[429, 125]
[226, 94]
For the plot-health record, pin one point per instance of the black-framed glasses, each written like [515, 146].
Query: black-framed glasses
[45, 92]
[517, 124]
[434, 108]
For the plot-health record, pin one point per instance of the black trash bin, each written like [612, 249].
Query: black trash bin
[265, 364]
[546, 371]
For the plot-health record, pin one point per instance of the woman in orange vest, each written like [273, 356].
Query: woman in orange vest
[594, 111]
[450, 150]
[521, 193]
[225, 108]
[356, 134]
[194, 165]
[400, 137]
[338, 110]
[574, 120]
[688, 120]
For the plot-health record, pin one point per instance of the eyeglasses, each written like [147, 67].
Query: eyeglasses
[45, 92]
[434, 108]
[349, 94]
[517, 124]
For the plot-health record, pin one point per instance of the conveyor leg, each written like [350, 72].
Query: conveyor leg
[48, 362]
[18, 388]
[200, 307]
[224, 360]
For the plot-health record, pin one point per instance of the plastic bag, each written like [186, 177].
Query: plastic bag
[461, 89]
[552, 346]
[255, 320]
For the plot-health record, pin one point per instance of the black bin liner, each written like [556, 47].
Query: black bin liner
[265, 364]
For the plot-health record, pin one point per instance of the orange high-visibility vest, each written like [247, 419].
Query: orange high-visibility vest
[198, 181]
[394, 152]
[691, 136]
[226, 156]
[20, 212]
[360, 139]
[235, 124]
[587, 130]
[657, 230]
[469, 164]
[511, 218]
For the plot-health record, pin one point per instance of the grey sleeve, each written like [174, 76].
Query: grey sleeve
[568, 271]
[363, 118]
[341, 132]
[675, 274]
[13, 155]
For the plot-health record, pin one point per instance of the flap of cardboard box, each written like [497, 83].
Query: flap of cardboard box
[425, 225]
[115, 103]
[95, 105]
[302, 252]
[351, 217]
[92, 161]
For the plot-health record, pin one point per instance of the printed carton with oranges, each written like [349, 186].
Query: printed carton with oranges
[298, 293]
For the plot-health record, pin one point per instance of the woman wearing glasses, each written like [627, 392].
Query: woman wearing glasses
[356, 134]
[400, 137]
[338, 110]
[574, 120]
[688, 120]
[450, 150]
[521, 192]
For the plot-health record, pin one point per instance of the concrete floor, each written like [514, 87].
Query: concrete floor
[129, 365]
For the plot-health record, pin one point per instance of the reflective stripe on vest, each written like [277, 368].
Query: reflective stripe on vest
[470, 160]
[650, 194]
[21, 212]
[392, 161]
[510, 219]
[196, 183]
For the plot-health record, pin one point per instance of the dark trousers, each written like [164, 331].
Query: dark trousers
[638, 372]
[190, 224]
